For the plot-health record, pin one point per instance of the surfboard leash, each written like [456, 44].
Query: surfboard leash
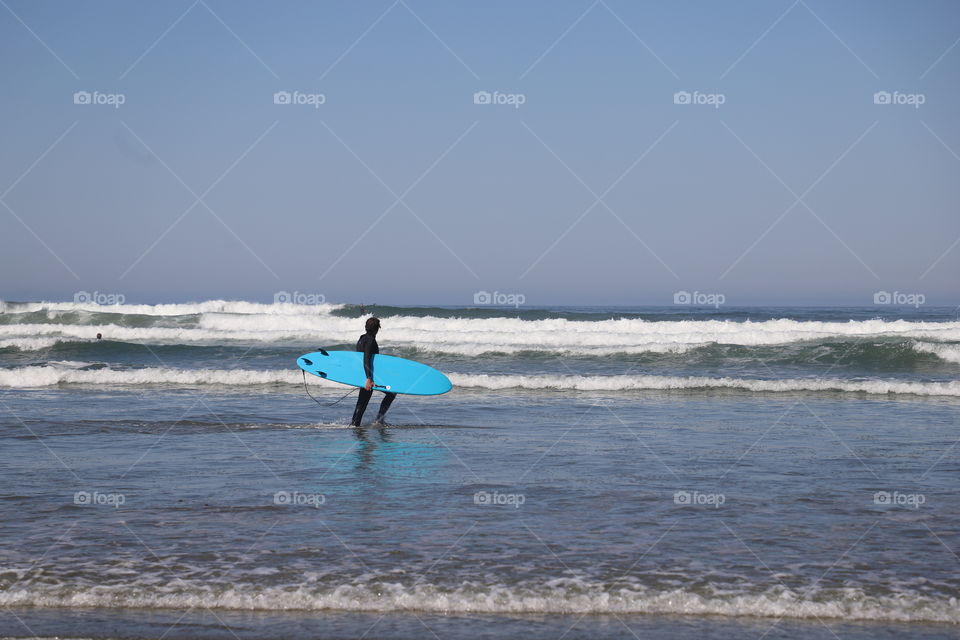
[304, 373]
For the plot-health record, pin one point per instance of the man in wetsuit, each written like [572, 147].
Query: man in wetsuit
[368, 345]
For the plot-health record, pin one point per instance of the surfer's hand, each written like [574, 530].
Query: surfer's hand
[369, 384]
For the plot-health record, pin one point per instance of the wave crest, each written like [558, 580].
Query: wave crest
[53, 374]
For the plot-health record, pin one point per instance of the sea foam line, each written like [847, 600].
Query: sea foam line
[175, 309]
[218, 320]
[582, 598]
[506, 335]
[66, 373]
[947, 352]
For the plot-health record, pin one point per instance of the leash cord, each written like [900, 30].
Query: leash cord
[317, 401]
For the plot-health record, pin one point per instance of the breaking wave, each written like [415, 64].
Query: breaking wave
[561, 596]
[52, 374]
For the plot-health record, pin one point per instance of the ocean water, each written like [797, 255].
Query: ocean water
[596, 472]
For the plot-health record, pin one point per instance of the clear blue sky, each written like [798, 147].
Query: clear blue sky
[497, 191]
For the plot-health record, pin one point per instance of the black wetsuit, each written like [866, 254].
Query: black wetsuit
[368, 345]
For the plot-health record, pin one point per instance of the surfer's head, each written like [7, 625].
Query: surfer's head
[373, 325]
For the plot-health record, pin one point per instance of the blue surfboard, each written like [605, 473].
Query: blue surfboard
[390, 373]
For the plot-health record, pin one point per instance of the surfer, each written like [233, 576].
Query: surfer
[368, 345]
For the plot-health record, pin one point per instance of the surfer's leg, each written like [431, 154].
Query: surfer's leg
[387, 401]
[362, 399]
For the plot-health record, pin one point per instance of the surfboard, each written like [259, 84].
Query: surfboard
[390, 373]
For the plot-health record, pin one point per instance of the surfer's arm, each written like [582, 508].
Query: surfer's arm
[368, 360]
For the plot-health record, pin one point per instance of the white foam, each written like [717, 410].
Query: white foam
[69, 373]
[151, 335]
[475, 336]
[560, 597]
[512, 334]
[947, 352]
[208, 306]
[643, 382]
[28, 344]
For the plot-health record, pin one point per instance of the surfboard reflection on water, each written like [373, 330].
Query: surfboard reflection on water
[375, 465]
[379, 452]
[367, 446]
